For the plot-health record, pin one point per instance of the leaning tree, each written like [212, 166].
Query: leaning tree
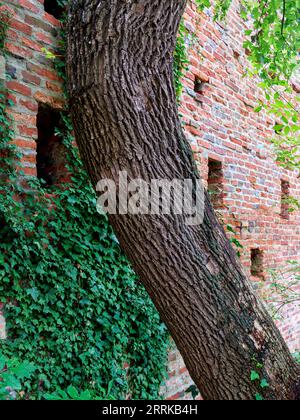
[124, 109]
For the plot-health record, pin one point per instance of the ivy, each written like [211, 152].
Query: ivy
[74, 308]
[12, 375]
[181, 60]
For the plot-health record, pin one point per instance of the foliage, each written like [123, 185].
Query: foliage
[14, 373]
[272, 38]
[194, 391]
[4, 24]
[12, 376]
[72, 394]
[256, 376]
[272, 42]
[180, 59]
[74, 307]
[283, 289]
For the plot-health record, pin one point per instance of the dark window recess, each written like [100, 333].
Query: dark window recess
[285, 195]
[54, 8]
[199, 85]
[51, 153]
[215, 183]
[257, 263]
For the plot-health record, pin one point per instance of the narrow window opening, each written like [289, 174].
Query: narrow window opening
[198, 85]
[200, 81]
[54, 8]
[51, 153]
[257, 263]
[285, 195]
[215, 183]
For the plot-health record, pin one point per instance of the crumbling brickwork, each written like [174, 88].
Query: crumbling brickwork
[230, 141]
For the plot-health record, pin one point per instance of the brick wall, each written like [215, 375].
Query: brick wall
[220, 122]
[230, 141]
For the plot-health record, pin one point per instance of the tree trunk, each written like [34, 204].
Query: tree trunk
[119, 65]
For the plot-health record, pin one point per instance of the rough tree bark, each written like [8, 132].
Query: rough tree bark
[119, 65]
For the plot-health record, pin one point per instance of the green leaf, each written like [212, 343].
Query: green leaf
[264, 384]
[230, 229]
[254, 376]
[10, 381]
[2, 362]
[23, 370]
[85, 396]
[73, 393]
[34, 293]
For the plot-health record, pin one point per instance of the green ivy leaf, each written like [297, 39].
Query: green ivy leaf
[254, 376]
[23, 370]
[264, 384]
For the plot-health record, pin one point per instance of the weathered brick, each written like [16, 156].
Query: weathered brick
[30, 105]
[28, 5]
[21, 27]
[18, 51]
[47, 73]
[28, 119]
[19, 87]
[31, 44]
[27, 131]
[30, 78]
[52, 20]
[54, 102]
[38, 23]
[44, 38]
[25, 144]
[54, 87]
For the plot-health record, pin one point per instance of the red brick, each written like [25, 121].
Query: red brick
[30, 105]
[38, 23]
[54, 87]
[28, 171]
[51, 19]
[27, 131]
[31, 78]
[18, 51]
[21, 27]
[28, 5]
[4, 8]
[25, 144]
[29, 159]
[44, 38]
[56, 103]
[43, 72]
[19, 87]
[12, 98]
[31, 44]
[29, 120]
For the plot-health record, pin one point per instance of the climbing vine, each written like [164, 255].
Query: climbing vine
[73, 306]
